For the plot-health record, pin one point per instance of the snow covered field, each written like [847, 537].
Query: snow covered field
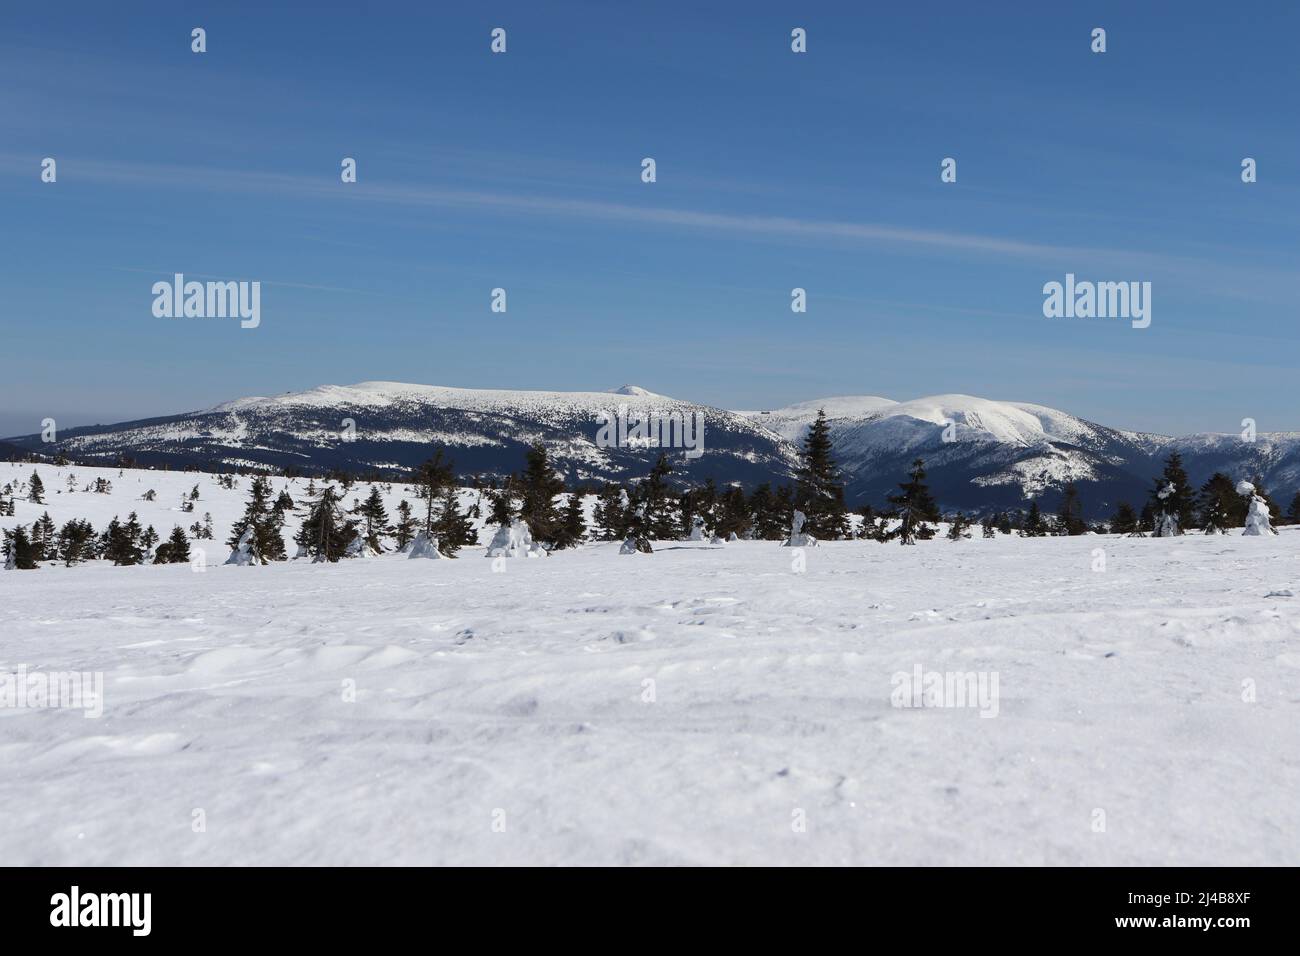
[699, 705]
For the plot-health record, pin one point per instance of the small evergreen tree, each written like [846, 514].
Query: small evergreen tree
[914, 506]
[404, 527]
[373, 517]
[1219, 506]
[573, 526]
[266, 521]
[1124, 520]
[453, 529]
[18, 550]
[1173, 501]
[819, 493]
[1070, 517]
[36, 490]
[732, 514]
[325, 533]
[959, 528]
[612, 513]
[1033, 526]
[538, 486]
[1293, 513]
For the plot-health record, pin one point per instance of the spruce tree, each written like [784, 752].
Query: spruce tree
[404, 527]
[763, 515]
[373, 517]
[178, 546]
[44, 543]
[432, 479]
[959, 527]
[1125, 520]
[573, 526]
[453, 529]
[1172, 499]
[1293, 513]
[123, 544]
[914, 506]
[611, 514]
[653, 501]
[1070, 517]
[1033, 523]
[1219, 506]
[325, 533]
[36, 490]
[538, 486]
[265, 520]
[819, 492]
[732, 515]
[18, 550]
[75, 542]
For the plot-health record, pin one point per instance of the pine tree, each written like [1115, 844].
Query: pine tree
[148, 539]
[432, 479]
[404, 527]
[178, 546]
[1146, 521]
[611, 514]
[123, 544]
[1004, 523]
[573, 527]
[732, 515]
[1033, 523]
[284, 504]
[987, 526]
[1070, 517]
[538, 486]
[266, 522]
[325, 533]
[44, 545]
[959, 528]
[652, 499]
[762, 514]
[374, 520]
[18, 550]
[36, 490]
[914, 506]
[75, 542]
[1125, 520]
[1172, 498]
[1293, 513]
[1219, 505]
[819, 493]
[453, 529]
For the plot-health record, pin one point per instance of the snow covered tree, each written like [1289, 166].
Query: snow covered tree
[538, 486]
[573, 524]
[987, 526]
[959, 527]
[1258, 519]
[914, 506]
[148, 539]
[36, 490]
[325, 533]
[819, 493]
[404, 527]
[1173, 501]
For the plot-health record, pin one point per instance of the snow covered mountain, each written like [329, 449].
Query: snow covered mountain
[979, 454]
[392, 427]
[982, 454]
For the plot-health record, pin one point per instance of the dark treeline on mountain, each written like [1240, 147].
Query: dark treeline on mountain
[653, 507]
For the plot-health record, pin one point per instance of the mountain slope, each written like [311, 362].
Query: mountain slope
[392, 426]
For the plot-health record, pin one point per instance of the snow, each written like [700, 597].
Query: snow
[687, 707]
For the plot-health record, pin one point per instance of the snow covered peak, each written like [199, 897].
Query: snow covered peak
[631, 390]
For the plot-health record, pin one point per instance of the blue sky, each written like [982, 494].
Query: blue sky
[775, 170]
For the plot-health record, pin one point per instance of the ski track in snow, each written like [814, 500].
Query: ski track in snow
[523, 692]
